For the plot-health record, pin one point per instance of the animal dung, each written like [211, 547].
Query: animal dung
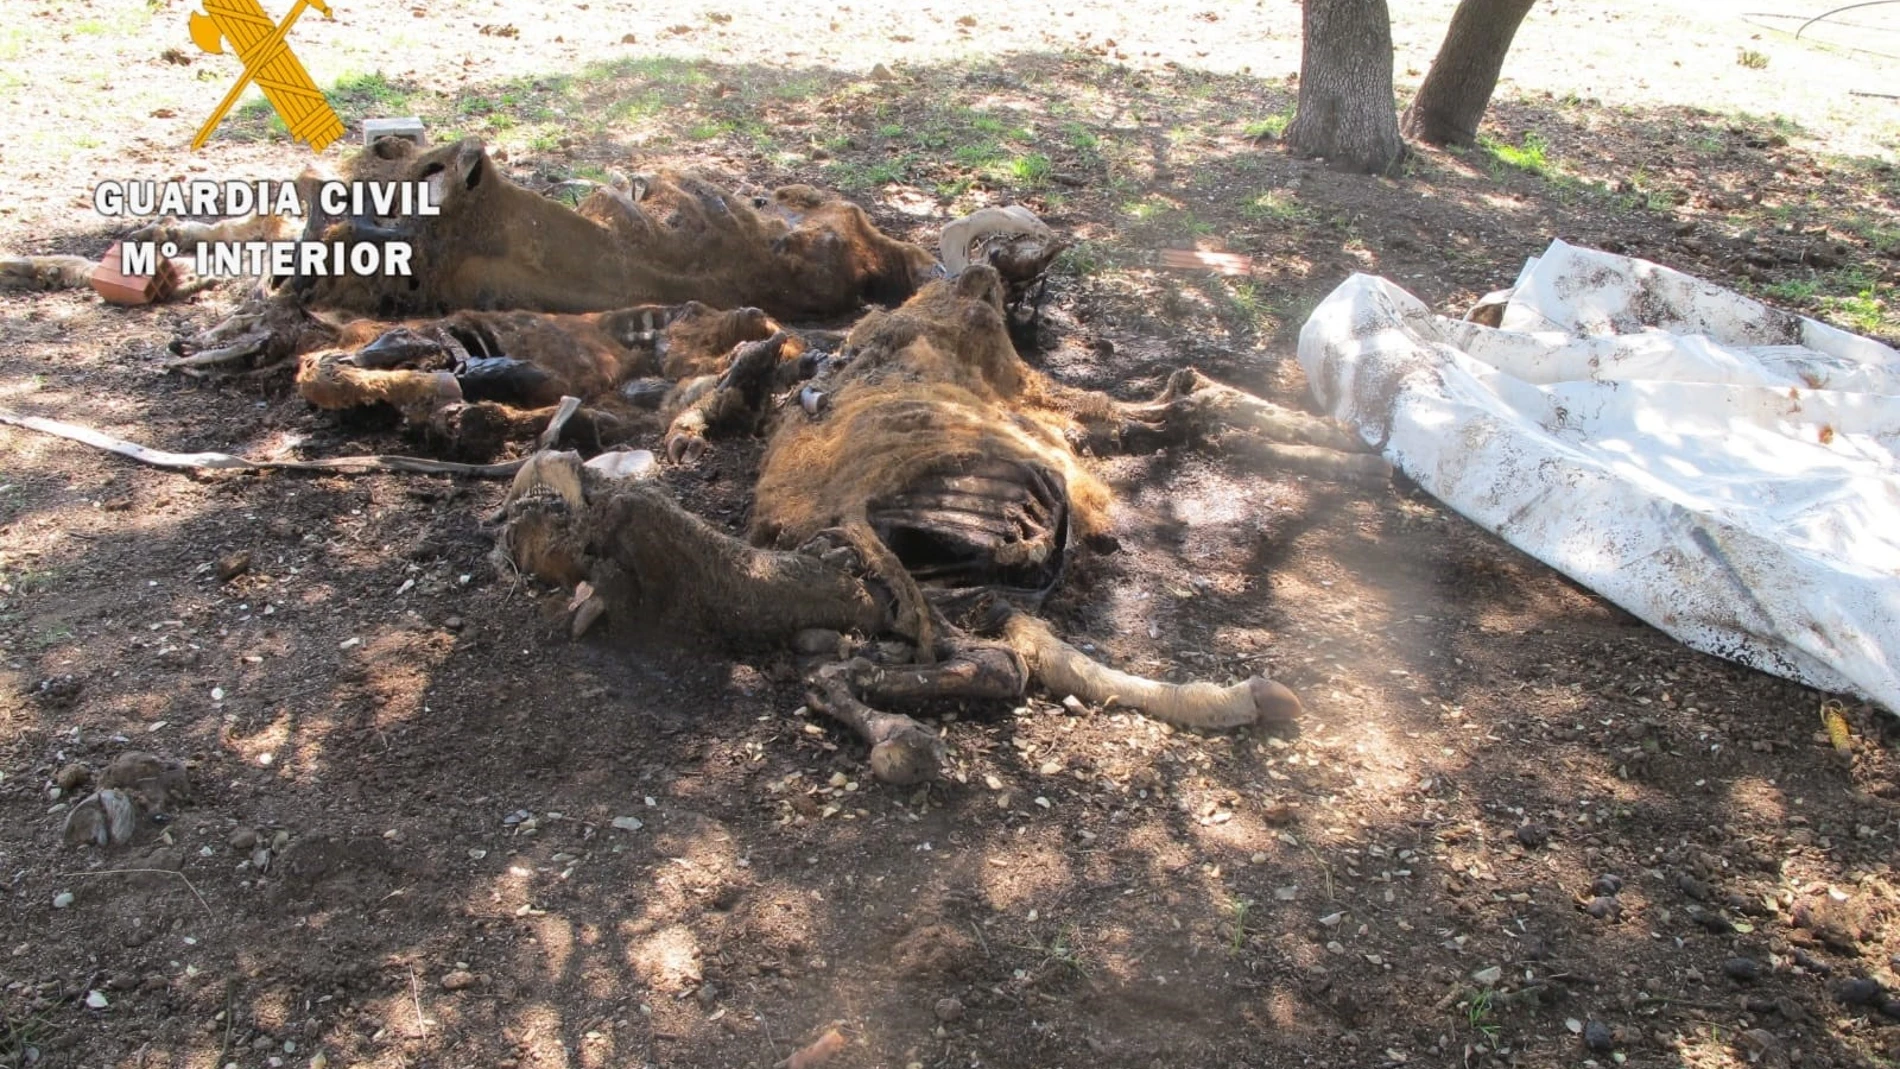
[110, 281]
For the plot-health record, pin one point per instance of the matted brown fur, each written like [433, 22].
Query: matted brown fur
[932, 385]
[495, 245]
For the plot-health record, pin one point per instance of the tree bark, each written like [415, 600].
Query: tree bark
[1345, 113]
[1458, 88]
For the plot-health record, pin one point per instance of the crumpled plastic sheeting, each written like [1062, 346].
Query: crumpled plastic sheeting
[1721, 469]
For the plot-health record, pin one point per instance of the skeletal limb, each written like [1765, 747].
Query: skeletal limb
[1066, 670]
[733, 403]
[902, 750]
[1195, 408]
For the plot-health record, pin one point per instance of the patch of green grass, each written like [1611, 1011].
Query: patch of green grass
[1244, 297]
[710, 129]
[1529, 155]
[1080, 138]
[660, 70]
[369, 93]
[798, 88]
[1272, 126]
[636, 107]
[1794, 291]
[1031, 170]
[1863, 305]
[955, 187]
[854, 177]
[979, 154]
[1145, 209]
[1479, 1014]
[1080, 259]
[1277, 206]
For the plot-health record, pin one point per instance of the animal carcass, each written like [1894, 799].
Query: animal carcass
[927, 484]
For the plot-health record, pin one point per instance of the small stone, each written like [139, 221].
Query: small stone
[243, 840]
[1604, 907]
[62, 900]
[453, 623]
[881, 73]
[96, 1000]
[73, 776]
[1742, 970]
[1711, 922]
[628, 823]
[949, 1010]
[1859, 991]
[1488, 976]
[1533, 836]
[1598, 1037]
[1606, 884]
[459, 980]
[260, 858]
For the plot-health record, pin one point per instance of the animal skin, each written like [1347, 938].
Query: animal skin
[674, 238]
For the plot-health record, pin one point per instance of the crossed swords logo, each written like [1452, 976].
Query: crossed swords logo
[268, 60]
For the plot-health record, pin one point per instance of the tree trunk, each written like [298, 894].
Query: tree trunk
[1457, 89]
[1345, 112]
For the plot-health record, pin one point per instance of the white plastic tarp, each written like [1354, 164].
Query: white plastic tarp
[1721, 469]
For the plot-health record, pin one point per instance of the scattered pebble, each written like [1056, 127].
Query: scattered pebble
[459, 980]
[628, 823]
[97, 1000]
[1533, 836]
[1742, 970]
[1859, 991]
[949, 1009]
[73, 776]
[1606, 884]
[1599, 1037]
[243, 840]
[62, 900]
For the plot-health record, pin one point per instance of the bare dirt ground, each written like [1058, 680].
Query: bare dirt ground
[1517, 827]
